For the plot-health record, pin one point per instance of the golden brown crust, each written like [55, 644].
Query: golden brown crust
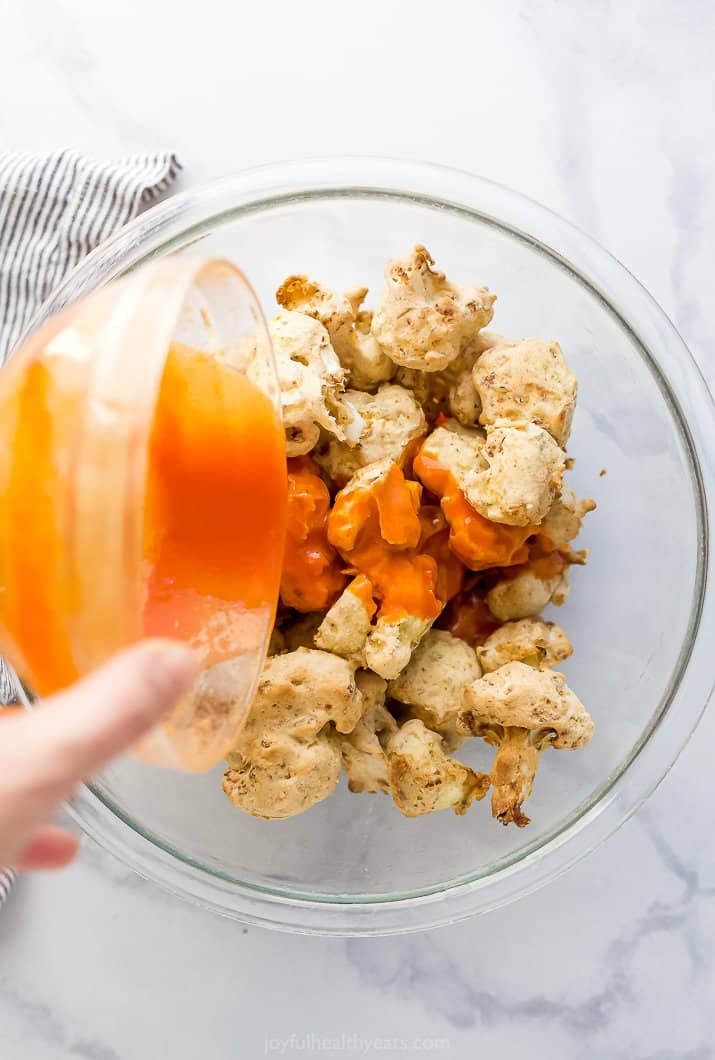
[286, 758]
[527, 381]
[423, 779]
[423, 320]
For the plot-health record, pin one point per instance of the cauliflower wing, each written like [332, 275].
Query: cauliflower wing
[363, 749]
[423, 778]
[346, 626]
[347, 325]
[392, 423]
[449, 463]
[311, 379]
[527, 593]
[433, 683]
[564, 518]
[376, 528]
[286, 758]
[424, 321]
[521, 710]
[528, 380]
[529, 640]
[524, 471]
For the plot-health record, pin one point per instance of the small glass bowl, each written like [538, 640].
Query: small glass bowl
[639, 615]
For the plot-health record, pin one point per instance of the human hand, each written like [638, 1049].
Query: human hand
[45, 753]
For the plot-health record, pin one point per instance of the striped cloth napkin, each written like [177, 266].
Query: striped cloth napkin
[54, 209]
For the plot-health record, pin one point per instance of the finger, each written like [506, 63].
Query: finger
[49, 848]
[78, 731]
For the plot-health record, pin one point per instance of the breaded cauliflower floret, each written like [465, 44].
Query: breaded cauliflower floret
[563, 519]
[286, 758]
[311, 379]
[530, 640]
[526, 595]
[528, 380]
[451, 391]
[521, 711]
[392, 422]
[424, 321]
[389, 647]
[347, 325]
[525, 470]
[363, 749]
[375, 526]
[433, 683]
[510, 475]
[423, 778]
[347, 624]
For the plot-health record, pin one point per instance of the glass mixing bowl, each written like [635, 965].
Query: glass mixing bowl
[639, 615]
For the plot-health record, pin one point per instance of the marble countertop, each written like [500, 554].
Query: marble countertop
[601, 110]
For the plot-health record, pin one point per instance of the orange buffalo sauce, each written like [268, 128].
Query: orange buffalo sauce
[467, 616]
[435, 542]
[478, 542]
[312, 577]
[377, 530]
[544, 561]
[215, 505]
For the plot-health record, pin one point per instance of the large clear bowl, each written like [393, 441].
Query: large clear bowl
[639, 615]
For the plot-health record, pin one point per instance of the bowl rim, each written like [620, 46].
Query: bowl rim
[157, 232]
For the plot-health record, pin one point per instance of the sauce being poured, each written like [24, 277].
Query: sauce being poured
[215, 506]
[478, 542]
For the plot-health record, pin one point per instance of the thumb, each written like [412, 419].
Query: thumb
[78, 731]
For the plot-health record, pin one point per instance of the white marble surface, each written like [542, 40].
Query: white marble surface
[604, 112]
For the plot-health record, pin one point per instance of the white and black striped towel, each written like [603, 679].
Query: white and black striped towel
[54, 209]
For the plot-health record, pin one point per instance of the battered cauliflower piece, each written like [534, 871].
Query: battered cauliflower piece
[392, 423]
[451, 391]
[424, 321]
[286, 758]
[528, 380]
[363, 749]
[530, 640]
[311, 379]
[348, 623]
[509, 475]
[433, 683]
[527, 594]
[565, 516]
[347, 325]
[423, 778]
[522, 711]
[375, 526]
[389, 647]
[524, 472]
